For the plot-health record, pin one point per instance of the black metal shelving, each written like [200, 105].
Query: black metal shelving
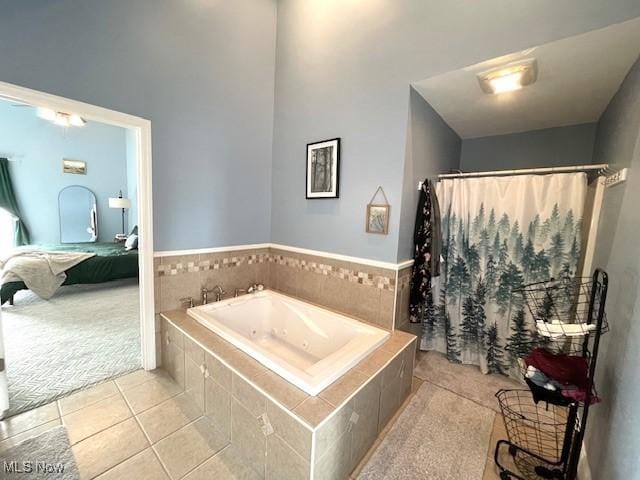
[545, 437]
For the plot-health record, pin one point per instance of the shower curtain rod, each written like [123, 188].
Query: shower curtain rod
[525, 171]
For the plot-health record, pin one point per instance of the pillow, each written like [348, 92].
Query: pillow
[131, 243]
[134, 231]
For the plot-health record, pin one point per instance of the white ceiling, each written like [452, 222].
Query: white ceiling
[577, 76]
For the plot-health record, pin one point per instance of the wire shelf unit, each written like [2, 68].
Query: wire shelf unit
[545, 437]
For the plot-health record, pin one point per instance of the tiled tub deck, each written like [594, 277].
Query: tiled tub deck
[280, 431]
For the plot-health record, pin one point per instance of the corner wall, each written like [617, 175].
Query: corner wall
[613, 435]
[432, 148]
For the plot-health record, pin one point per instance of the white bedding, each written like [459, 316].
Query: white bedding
[41, 271]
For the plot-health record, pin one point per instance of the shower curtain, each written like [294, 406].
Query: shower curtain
[499, 233]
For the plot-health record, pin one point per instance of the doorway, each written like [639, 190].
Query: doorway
[138, 131]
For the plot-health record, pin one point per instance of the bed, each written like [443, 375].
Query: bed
[111, 262]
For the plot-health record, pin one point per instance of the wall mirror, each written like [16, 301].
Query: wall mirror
[78, 215]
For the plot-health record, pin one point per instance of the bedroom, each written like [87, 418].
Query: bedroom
[68, 193]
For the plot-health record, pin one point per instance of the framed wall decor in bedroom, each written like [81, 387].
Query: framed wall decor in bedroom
[323, 169]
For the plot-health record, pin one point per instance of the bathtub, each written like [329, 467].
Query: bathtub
[307, 345]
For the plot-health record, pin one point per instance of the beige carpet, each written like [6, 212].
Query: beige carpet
[439, 436]
[465, 380]
[84, 335]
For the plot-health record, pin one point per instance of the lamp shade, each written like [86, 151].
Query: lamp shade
[117, 202]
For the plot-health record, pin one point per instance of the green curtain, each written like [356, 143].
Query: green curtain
[9, 203]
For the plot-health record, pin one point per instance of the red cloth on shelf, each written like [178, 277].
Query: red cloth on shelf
[566, 369]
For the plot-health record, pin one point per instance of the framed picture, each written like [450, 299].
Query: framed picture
[74, 166]
[323, 169]
[378, 219]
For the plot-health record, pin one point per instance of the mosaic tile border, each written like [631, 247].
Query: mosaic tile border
[208, 264]
[364, 278]
[381, 282]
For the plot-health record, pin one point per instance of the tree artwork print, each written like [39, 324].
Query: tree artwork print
[499, 234]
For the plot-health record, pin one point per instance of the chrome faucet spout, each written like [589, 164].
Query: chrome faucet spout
[219, 291]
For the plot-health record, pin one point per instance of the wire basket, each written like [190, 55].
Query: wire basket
[538, 429]
[564, 308]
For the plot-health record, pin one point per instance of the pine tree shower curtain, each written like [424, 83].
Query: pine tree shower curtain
[499, 233]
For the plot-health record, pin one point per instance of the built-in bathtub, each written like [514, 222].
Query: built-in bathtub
[307, 345]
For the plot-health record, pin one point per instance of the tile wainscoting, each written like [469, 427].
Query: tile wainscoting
[369, 293]
[403, 292]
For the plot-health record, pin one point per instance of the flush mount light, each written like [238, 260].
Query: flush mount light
[61, 118]
[509, 78]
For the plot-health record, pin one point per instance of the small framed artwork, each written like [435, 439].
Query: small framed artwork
[323, 169]
[74, 166]
[378, 218]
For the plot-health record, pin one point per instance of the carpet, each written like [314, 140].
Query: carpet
[438, 436]
[49, 456]
[84, 335]
[465, 380]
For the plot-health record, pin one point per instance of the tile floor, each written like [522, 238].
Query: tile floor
[141, 426]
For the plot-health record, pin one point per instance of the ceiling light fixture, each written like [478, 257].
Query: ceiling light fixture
[509, 78]
[61, 118]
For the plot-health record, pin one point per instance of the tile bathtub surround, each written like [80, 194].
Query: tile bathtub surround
[183, 276]
[271, 423]
[403, 294]
[354, 289]
[358, 290]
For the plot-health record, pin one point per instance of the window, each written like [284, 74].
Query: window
[7, 229]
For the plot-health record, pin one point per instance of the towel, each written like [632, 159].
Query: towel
[41, 271]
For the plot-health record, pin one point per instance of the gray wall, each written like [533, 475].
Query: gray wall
[201, 71]
[432, 148]
[343, 68]
[613, 437]
[550, 147]
[37, 177]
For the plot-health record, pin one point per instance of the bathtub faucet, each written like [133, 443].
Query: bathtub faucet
[256, 287]
[218, 290]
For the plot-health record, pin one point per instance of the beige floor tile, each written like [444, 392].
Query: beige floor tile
[34, 432]
[87, 397]
[151, 393]
[139, 377]
[95, 418]
[169, 416]
[28, 420]
[227, 465]
[104, 450]
[143, 466]
[190, 446]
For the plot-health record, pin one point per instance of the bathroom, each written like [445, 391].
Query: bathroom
[241, 109]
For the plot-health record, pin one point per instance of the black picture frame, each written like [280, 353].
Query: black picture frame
[326, 186]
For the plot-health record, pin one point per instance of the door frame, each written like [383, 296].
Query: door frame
[142, 129]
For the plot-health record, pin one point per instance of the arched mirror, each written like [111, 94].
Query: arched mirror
[78, 215]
